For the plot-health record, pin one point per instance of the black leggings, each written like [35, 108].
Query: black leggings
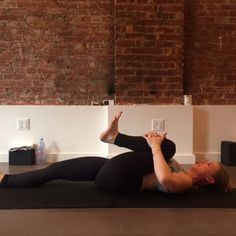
[122, 173]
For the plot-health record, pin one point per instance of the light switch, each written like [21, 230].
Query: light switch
[23, 123]
[157, 124]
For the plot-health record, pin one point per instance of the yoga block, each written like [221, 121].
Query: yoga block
[22, 156]
[228, 153]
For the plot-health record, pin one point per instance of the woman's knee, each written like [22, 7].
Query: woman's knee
[168, 148]
[124, 172]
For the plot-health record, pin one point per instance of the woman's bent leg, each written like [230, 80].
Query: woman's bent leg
[124, 173]
[139, 144]
[78, 169]
[135, 143]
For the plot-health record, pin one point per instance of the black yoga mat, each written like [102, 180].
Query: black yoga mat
[68, 194]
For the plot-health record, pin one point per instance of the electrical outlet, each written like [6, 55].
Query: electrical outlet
[157, 124]
[23, 123]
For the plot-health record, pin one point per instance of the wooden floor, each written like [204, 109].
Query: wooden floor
[117, 222]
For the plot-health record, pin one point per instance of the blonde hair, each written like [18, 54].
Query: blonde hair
[222, 182]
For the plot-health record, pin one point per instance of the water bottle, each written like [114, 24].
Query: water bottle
[41, 155]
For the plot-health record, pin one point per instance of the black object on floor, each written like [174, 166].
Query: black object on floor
[228, 153]
[68, 194]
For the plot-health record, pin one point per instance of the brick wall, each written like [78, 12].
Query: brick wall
[55, 52]
[136, 51]
[210, 51]
[148, 51]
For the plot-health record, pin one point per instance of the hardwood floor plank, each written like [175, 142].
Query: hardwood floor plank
[120, 222]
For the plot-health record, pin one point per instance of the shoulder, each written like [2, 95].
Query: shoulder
[178, 183]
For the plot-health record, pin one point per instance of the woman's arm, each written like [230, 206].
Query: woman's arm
[171, 182]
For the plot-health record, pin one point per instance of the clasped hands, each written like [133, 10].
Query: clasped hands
[154, 139]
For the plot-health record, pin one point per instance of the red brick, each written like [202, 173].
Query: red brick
[73, 52]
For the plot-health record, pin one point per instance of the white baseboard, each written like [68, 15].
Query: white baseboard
[4, 157]
[211, 156]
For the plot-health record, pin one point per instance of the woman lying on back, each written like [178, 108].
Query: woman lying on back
[148, 167]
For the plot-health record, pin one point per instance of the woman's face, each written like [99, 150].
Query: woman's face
[206, 168]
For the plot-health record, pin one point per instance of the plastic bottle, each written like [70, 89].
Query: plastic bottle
[41, 155]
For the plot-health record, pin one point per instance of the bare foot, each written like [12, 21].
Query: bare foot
[109, 135]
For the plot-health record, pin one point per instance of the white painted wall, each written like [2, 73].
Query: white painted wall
[68, 131]
[178, 122]
[213, 124]
[72, 131]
